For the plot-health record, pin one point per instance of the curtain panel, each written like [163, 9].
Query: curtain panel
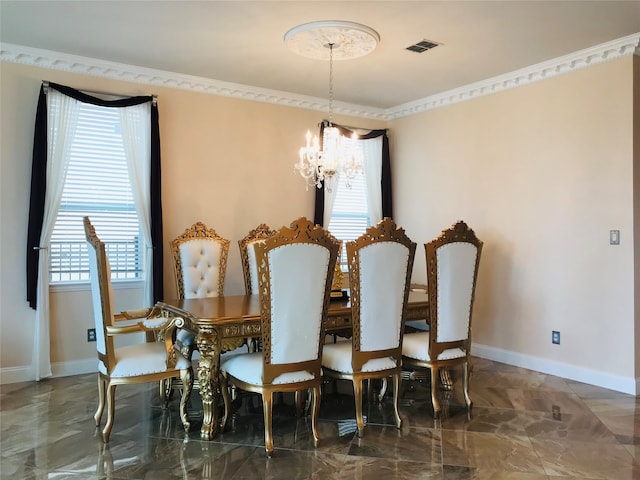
[385, 185]
[39, 185]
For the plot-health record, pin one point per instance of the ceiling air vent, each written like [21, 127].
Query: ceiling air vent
[422, 46]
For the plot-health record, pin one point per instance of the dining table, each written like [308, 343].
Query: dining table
[222, 323]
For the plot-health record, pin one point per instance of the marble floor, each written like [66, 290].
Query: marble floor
[524, 426]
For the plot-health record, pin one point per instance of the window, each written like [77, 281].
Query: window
[350, 215]
[97, 185]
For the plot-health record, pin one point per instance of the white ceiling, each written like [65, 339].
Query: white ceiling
[242, 41]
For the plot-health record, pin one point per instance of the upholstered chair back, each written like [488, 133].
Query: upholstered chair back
[248, 255]
[200, 261]
[102, 295]
[452, 269]
[294, 278]
[380, 265]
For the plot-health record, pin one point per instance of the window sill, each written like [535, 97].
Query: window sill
[86, 286]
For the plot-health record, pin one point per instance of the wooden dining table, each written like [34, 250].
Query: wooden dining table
[221, 323]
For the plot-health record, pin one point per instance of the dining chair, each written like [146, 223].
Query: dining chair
[249, 267]
[295, 269]
[452, 269]
[150, 361]
[380, 265]
[200, 266]
[248, 255]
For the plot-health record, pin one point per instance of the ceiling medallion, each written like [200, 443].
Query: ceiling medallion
[349, 39]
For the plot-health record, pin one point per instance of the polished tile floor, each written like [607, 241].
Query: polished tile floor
[524, 426]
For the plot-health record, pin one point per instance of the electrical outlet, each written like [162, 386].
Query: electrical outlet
[91, 335]
[555, 337]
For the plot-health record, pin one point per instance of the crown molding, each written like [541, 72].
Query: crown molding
[628, 45]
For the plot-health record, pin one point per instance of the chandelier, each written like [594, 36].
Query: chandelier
[337, 156]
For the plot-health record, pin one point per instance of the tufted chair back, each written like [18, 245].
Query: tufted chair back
[248, 255]
[200, 261]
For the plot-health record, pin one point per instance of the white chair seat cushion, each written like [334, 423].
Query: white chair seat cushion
[142, 359]
[248, 368]
[337, 356]
[416, 345]
[185, 337]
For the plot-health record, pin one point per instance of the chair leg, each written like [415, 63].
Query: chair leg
[267, 406]
[465, 385]
[166, 391]
[315, 410]
[396, 398]
[383, 389]
[111, 400]
[224, 388]
[298, 402]
[434, 392]
[101, 393]
[186, 376]
[357, 393]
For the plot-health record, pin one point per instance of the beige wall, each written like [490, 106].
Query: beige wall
[541, 172]
[226, 162]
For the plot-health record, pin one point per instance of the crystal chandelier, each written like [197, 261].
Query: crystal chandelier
[339, 156]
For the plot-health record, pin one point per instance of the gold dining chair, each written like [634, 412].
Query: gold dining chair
[134, 363]
[380, 265]
[294, 283]
[249, 266]
[452, 269]
[200, 266]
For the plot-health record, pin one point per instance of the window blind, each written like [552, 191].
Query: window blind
[97, 185]
[350, 216]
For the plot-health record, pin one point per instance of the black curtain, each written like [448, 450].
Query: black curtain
[385, 184]
[39, 184]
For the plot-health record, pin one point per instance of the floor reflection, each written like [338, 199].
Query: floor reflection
[524, 426]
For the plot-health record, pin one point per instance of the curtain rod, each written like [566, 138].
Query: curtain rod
[45, 84]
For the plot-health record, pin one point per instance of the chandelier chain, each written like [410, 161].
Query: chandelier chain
[338, 156]
[331, 84]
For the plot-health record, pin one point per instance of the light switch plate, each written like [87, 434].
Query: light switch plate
[614, 237]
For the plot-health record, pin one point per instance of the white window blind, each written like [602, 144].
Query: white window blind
[97, 185]
[350, 216]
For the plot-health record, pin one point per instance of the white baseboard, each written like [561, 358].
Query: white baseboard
[60, 369]
[610, 381]
[76, 367]
[16, 374]
[592, 377]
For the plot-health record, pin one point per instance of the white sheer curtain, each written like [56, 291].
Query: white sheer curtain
[372, 166]
[62, 121]
[372, 169]
[136, 133]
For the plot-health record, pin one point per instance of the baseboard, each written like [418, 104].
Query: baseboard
[76, 367]
[59, 369]
[560, 369]
[16, 374]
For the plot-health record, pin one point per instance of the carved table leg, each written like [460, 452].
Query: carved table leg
[208, 371]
